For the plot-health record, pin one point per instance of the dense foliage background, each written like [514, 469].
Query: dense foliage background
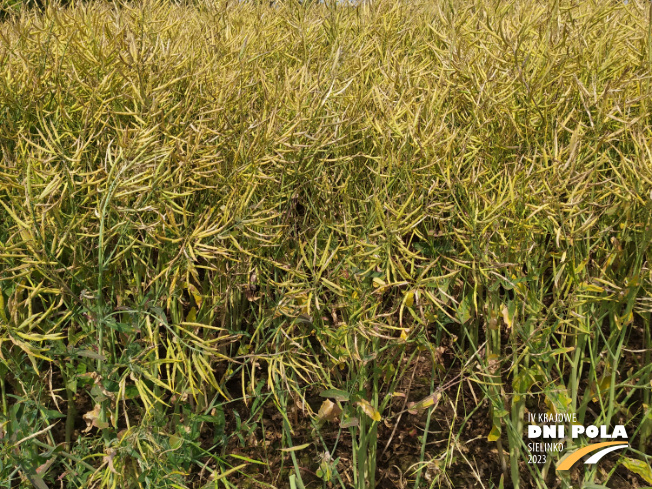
[300, 245]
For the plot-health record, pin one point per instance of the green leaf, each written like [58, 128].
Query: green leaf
[131, 392]
[464, 310]
[336, 394]
[175, 441]
[121, 327]
[246, 459]
[325, 471]
[110, 385]
[501, 413]
[207, 418]
[52, 414]
[88, 354]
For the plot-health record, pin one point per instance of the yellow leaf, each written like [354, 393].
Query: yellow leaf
[520, 286]
[195, 294]
[192, 315]
[26, 234]
[40, 337]
[603, 387]
[3, 316]
[591, 287]
[494, 434]
[404, 335]
[297, 448]
[628, 318]
[506, 317]
[431, 400]
[228, 472]
[409, 299]
[639, 467]
[369, 410]
[561, 351]
[378, 282]
[15, 217]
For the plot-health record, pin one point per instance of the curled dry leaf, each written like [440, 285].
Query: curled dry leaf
[97, 379]
[108, 458]
[92, 419]
[348, 422]
[328, 411]
[42, 469]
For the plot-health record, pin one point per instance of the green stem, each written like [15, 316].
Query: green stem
[70, 418]
[65, 454]
[4, 397]
[647, 425]
[425, 432]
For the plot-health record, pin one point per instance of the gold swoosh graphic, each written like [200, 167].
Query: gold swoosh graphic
[568, 461]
